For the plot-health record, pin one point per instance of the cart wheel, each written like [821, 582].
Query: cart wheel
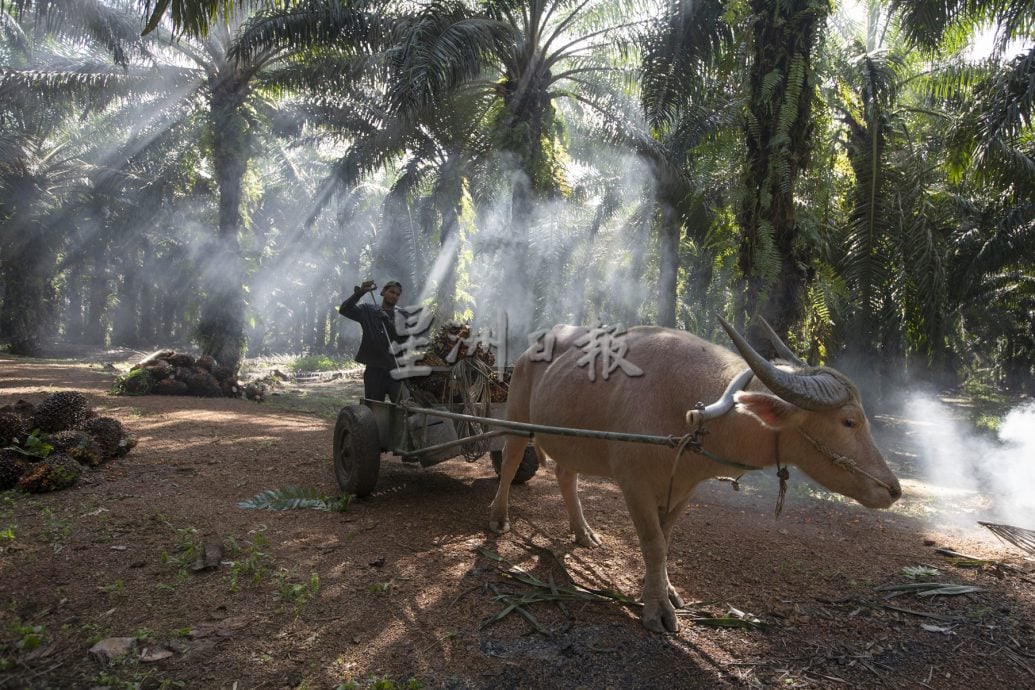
[529, 464]
[357, 455]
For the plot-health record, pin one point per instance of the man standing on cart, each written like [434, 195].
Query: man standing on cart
[375, 347]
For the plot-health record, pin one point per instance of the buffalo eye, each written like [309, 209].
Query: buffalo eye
[850, 423]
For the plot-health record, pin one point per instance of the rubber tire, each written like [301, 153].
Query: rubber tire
[526, 470]
[357, 453]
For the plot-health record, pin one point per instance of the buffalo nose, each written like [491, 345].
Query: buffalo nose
[895, 491]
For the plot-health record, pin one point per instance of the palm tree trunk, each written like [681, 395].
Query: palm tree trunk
[95, 332]
[778, 130]
[74, 313]
[129, 310]
[668, 245]
[25, 290]
[221, 327]
[516, 286]
[147, 331]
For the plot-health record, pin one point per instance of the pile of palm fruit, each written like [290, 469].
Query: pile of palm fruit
[45, 447]
[167, 372]
[449, 346]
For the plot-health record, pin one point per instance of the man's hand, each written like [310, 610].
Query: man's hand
[368, 286]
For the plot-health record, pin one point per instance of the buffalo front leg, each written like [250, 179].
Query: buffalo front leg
[568, 481]
[499, 510]
[668, 521]
[660, 599]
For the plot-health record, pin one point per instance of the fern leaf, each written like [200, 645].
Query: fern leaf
[287, 498]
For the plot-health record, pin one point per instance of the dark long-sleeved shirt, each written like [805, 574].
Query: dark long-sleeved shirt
[378, 327]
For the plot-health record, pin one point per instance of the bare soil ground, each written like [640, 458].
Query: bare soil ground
[405, 588]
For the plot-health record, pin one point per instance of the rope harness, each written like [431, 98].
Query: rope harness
[692, 441]
[845, 462]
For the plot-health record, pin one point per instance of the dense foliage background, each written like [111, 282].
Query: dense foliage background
[224, 171]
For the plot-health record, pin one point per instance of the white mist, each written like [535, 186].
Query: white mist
[971, 477]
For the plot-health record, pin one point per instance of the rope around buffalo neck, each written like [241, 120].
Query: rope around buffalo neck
[845, 462]
[782, 473]
[693, 442]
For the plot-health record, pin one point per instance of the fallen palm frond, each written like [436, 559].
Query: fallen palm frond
[919, 572]
[561, 594]
[573, 590]
[735, 618]
[542, 591]
[927, 589]
[1023, 539]
[962, 560]
[922, 614]
[1016, 658]
[294, 497]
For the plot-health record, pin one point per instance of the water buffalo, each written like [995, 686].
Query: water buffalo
[789, 413]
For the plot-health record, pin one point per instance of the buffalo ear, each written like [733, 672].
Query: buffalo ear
[773, 412]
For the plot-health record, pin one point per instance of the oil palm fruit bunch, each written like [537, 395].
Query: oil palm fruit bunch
[110, 436]
[256, 390]
[203, 384]
[12, 429]
[60, 411]
[159, 369]
[78, 445]
[57, 471]
[181, 359]
[22, 408]
[12, 467]
[137, 382]
[170, 386]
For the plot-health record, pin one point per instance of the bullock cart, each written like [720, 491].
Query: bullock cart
[469, 424]
[447, 415]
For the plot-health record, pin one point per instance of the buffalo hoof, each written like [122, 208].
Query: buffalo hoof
[660, 616]
[499, 526]
[587, 537]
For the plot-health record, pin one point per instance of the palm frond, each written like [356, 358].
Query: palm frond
[292, 498]
[355, 27]
[85, 22]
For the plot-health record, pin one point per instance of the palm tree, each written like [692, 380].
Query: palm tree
[237, 82]
[202, 78]
[692, 105]
[31, 178]
[884, 218]
[961, 204]
[45, 164]
[778, 129]
[467, 103]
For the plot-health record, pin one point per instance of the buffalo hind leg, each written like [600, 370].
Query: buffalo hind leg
[568, 481]
[499, 510]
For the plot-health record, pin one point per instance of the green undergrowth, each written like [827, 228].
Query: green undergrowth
[987, 406]
[321, 397]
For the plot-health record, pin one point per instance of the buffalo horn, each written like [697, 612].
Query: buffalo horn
[809, 391]
[781, 348]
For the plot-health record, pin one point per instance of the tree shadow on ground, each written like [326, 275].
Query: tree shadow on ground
[402, 584]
